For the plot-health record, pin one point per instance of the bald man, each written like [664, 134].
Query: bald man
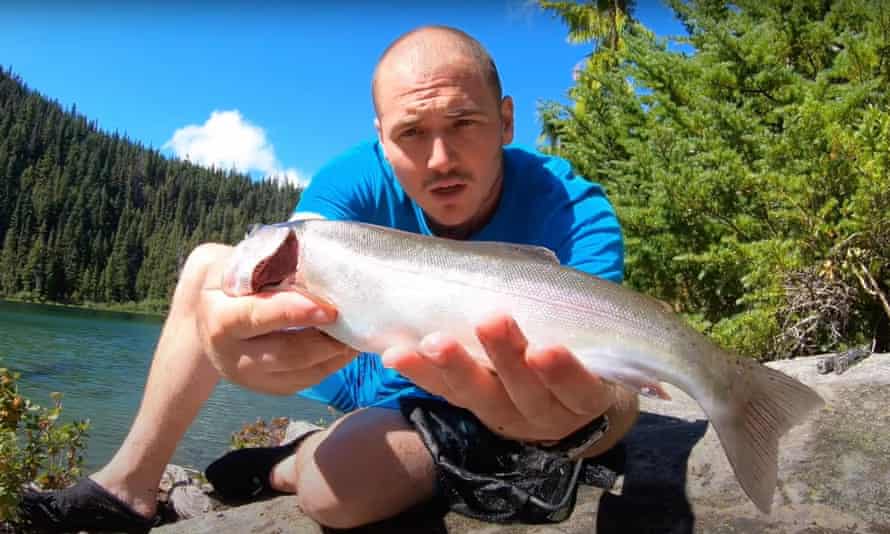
[441, 164]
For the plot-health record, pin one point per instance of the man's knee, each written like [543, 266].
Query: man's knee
[370, 465]
[330, 496]
[322, 505]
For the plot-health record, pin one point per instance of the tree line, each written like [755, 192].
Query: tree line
[88, 216]
[750, 169]
[748, 160]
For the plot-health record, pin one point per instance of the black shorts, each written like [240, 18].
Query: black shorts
[488, 477]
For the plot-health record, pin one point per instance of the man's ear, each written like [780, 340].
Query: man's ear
[507, 120]
[379, 135]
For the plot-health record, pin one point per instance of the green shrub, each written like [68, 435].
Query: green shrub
[260, 433]
[34, 447]
[263, 434]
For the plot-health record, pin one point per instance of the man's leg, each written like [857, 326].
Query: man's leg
[372, 464]
[180, 381]
[365, 467]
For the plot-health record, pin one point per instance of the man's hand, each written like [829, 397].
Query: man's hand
[537, 394]
[243, 337]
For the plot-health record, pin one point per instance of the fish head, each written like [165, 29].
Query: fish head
[267, 257]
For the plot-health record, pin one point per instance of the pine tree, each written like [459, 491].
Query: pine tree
[85, 215]
[9, 259]
[748, 174]
[36, 269]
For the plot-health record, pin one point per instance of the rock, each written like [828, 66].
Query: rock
[185, 493]
[298, 429]
[834, 475]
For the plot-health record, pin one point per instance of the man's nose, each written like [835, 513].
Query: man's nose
[441, 157]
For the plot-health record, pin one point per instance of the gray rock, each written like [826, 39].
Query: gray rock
[834, 475]
[298, 429]
[184, 493]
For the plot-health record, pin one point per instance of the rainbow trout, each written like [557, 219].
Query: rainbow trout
[392, 288]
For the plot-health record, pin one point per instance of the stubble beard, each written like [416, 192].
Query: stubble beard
[478, 220]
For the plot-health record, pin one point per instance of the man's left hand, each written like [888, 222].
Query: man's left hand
[536, 394]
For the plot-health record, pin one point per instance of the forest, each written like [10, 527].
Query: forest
[748, 161]
[92, 217]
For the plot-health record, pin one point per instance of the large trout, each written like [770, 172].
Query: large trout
[393, 288]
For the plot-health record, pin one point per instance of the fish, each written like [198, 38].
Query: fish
[392, 288]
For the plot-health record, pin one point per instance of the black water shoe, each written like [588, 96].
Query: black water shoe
[243, 474]
[84, 506]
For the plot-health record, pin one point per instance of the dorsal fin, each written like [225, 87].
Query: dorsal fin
[529, 252]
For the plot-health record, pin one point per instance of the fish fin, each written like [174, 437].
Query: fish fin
[514, 249]
[631, 378]
[764, 404]
[654, 391]
[638, 382]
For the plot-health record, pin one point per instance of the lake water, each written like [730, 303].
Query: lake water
[100, 360]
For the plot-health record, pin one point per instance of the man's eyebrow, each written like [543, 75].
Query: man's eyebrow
[409, 121]
[462, 112]
[405, 122]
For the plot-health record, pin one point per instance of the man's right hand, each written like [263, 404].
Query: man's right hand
[243, 337]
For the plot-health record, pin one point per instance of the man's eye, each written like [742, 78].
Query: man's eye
[464, 122]
[409, 133]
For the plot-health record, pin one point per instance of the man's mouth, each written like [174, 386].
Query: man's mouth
[446, 190]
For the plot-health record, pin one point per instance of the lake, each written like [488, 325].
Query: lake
[99, 361]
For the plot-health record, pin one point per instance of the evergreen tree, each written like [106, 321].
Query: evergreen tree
[35, 271]
[9, 258]
[749, 175]
[88, 216]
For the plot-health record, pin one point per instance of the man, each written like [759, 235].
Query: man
[439, 166]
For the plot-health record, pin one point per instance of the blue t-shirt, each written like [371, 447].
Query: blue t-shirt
[543, 203]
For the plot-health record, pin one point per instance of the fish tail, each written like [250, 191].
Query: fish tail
[763, 405]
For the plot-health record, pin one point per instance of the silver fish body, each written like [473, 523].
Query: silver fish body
[392, 288]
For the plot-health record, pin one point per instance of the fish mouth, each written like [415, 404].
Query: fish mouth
[280, 266]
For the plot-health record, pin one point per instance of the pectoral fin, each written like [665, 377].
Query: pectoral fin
[641, 384]
[629, 377]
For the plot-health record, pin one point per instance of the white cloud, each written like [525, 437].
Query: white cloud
[228, 141]
[523, 11]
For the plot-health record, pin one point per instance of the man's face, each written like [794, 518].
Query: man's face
[442, 131]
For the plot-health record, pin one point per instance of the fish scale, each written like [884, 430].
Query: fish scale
[507, 269]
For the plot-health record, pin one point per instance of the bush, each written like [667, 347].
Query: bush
[34, 447]
[263, 434]
[260, 433]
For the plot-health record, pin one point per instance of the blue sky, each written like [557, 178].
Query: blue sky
[267, 87]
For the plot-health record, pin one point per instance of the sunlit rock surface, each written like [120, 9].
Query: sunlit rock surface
[834, 475]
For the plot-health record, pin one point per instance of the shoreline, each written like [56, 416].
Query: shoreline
[133, 308]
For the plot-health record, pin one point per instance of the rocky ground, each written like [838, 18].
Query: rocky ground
[834, 475]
